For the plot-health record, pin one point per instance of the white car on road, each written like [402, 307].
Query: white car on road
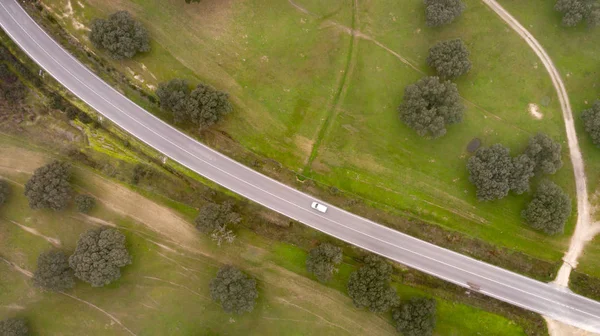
[319, 207]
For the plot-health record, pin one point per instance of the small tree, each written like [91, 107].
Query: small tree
[549, 209]
[450, 59]
[490, 169]
[442, 12]
[120, 35]
[85, 203]
[49, 187]
[99, 255]
[416, 317]
[523, 170]
[429, 105]
[322, 260]
[173, 96]
[206, 106]
[13, 327]
[545, 153]
[591, 121]
[214, 216]
[575, 11]
[234, 290]
[4, 191]
[53, 272]
[369, 287]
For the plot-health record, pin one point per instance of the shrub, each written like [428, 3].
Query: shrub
[234, 290]
[575, 11]
[490, 170]
[322, 260]
[214, 216]
[53, 272]
[549, 209]
[120, 35]
[141, 171]
[4, 191]
[99, 255]
[13, 327]
[429, 105]
[591, 121]
[72, 112]
[442, 12]
[369, 287]
[545, 153]
[85, 203]
[49, 187]
[450, 59]
[416, 317]
[173, 96]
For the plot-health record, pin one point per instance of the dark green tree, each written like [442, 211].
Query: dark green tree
[173, 96]
[192, 1]
[13, 327]
[53, 272]
[49, 187]
[523, 170]
[12, 90]
[575, 11]
[429, 105]
[450, 59]
[206, 106]
[120, 35]
[235, 290]
[322, 261]
[4, 191]
[442, 12]
[72, 112]
[490, 170]
[545, 153]
[549, 209]
[99, 255]
[591, 121]
[369, 287]
[85, 203]
[416, 317]
[215, 216]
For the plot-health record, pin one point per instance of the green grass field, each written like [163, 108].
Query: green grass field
[165, 290]
[324, 103]
[576, 53]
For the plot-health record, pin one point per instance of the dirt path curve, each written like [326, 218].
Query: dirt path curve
[582, 229]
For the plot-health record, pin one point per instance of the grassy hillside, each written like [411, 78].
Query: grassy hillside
[322, 101]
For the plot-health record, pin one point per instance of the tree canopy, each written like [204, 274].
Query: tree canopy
[369, 287]
[575, 11]
[49, 186]
[53, 272]
[235, 290]
[214, 216]
[522, 171]
[192, 1]
[99, 255]
[429, 105]
[13, 327]
[4, 191]
[450, 58]
[120, 35]
[202, 107]
[85, 203]
[322, 260]
[416, 317]
[442, 12]
[490, 169]
[545, 152]
[549, 209]
[591, 121]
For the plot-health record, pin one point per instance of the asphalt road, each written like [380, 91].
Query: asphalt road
[533, 295]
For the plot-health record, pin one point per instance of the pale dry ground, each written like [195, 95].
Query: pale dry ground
[180, 238]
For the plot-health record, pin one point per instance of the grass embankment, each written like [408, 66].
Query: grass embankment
[165, 290]
[576, 53]
[294, 71]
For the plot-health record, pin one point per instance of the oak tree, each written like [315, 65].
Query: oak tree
[490, 169]
[369, 287]
[416, 317]
[442, 12]
[322, 261]
[591, 122]
[575, 11]
[85, 203]
[235, 290]
[549, 209]
[4, 191]
[49, 186]
[450, 59]
[120, 35]
[53, 272]
[13, 327]
[545, 152]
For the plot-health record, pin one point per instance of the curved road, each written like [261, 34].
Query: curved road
[533, 295]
